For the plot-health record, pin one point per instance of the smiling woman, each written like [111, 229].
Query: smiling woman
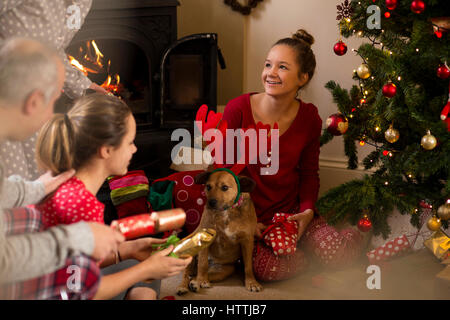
[285, 201]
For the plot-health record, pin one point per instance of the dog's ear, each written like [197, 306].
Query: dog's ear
[247, 184]
[202, 177]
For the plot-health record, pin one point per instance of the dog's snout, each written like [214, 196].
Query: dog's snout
[212, 203]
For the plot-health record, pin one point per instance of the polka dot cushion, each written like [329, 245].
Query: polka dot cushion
[188, 196]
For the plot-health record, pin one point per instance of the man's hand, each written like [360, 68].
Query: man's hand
[52, 183]
[303, 219]
[106, 240]
[98, 88]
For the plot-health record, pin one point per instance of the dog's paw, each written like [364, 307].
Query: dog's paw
[253, 285]
[182, 290]
[195, 285]
[205, 284]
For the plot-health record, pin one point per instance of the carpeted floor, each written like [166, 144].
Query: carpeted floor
[410, 277]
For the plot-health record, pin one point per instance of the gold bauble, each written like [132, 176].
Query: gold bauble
[392, 135]
[428, 141]
[434, 224]
[363, 71]
[444, 211]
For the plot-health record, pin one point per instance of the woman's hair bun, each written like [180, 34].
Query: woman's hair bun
[303, 35]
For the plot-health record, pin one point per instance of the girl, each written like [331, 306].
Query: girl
[96, 138]
[293, 190]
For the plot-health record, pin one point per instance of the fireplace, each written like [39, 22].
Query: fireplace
[162, 79]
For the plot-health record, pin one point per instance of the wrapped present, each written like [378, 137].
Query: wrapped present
[439, 244]
[170, 241]
[400, 225]
[282, 235]
[150, 223]
[390, 249]
[194, 243]
[129, 193]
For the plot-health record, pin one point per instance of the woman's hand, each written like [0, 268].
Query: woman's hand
[52, 183]
[260, 229]
[139, 249]
[303, 219]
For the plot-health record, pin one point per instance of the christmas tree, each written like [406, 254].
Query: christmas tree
[400, 107]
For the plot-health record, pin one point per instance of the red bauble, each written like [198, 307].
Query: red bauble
[443, 72]
[340, 48]
[389, 90]
[391, 4]
[364, 224]
[337, 124]
[418, 6]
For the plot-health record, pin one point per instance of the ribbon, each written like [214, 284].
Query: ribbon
[172, 240]
[282, 221]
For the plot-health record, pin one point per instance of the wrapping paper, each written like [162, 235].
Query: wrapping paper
[194, 243]
[439, 244]
[147, 224]
[282, 235]
[389, 250]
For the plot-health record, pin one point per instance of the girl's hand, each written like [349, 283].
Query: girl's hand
[303, 219]
[139, 249]
[160, 266]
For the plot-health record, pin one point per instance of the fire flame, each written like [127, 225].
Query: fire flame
[95, 58]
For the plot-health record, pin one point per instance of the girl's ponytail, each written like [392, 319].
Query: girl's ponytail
[54, 148]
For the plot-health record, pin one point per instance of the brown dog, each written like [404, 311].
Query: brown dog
[235, 224]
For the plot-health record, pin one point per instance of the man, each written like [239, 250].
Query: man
[32, 77]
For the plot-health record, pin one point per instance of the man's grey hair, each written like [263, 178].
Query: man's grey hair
[25, 66]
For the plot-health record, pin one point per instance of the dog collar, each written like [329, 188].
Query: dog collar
[235, 178]
[237, 204]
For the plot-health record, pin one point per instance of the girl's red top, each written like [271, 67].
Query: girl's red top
[295, 187]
